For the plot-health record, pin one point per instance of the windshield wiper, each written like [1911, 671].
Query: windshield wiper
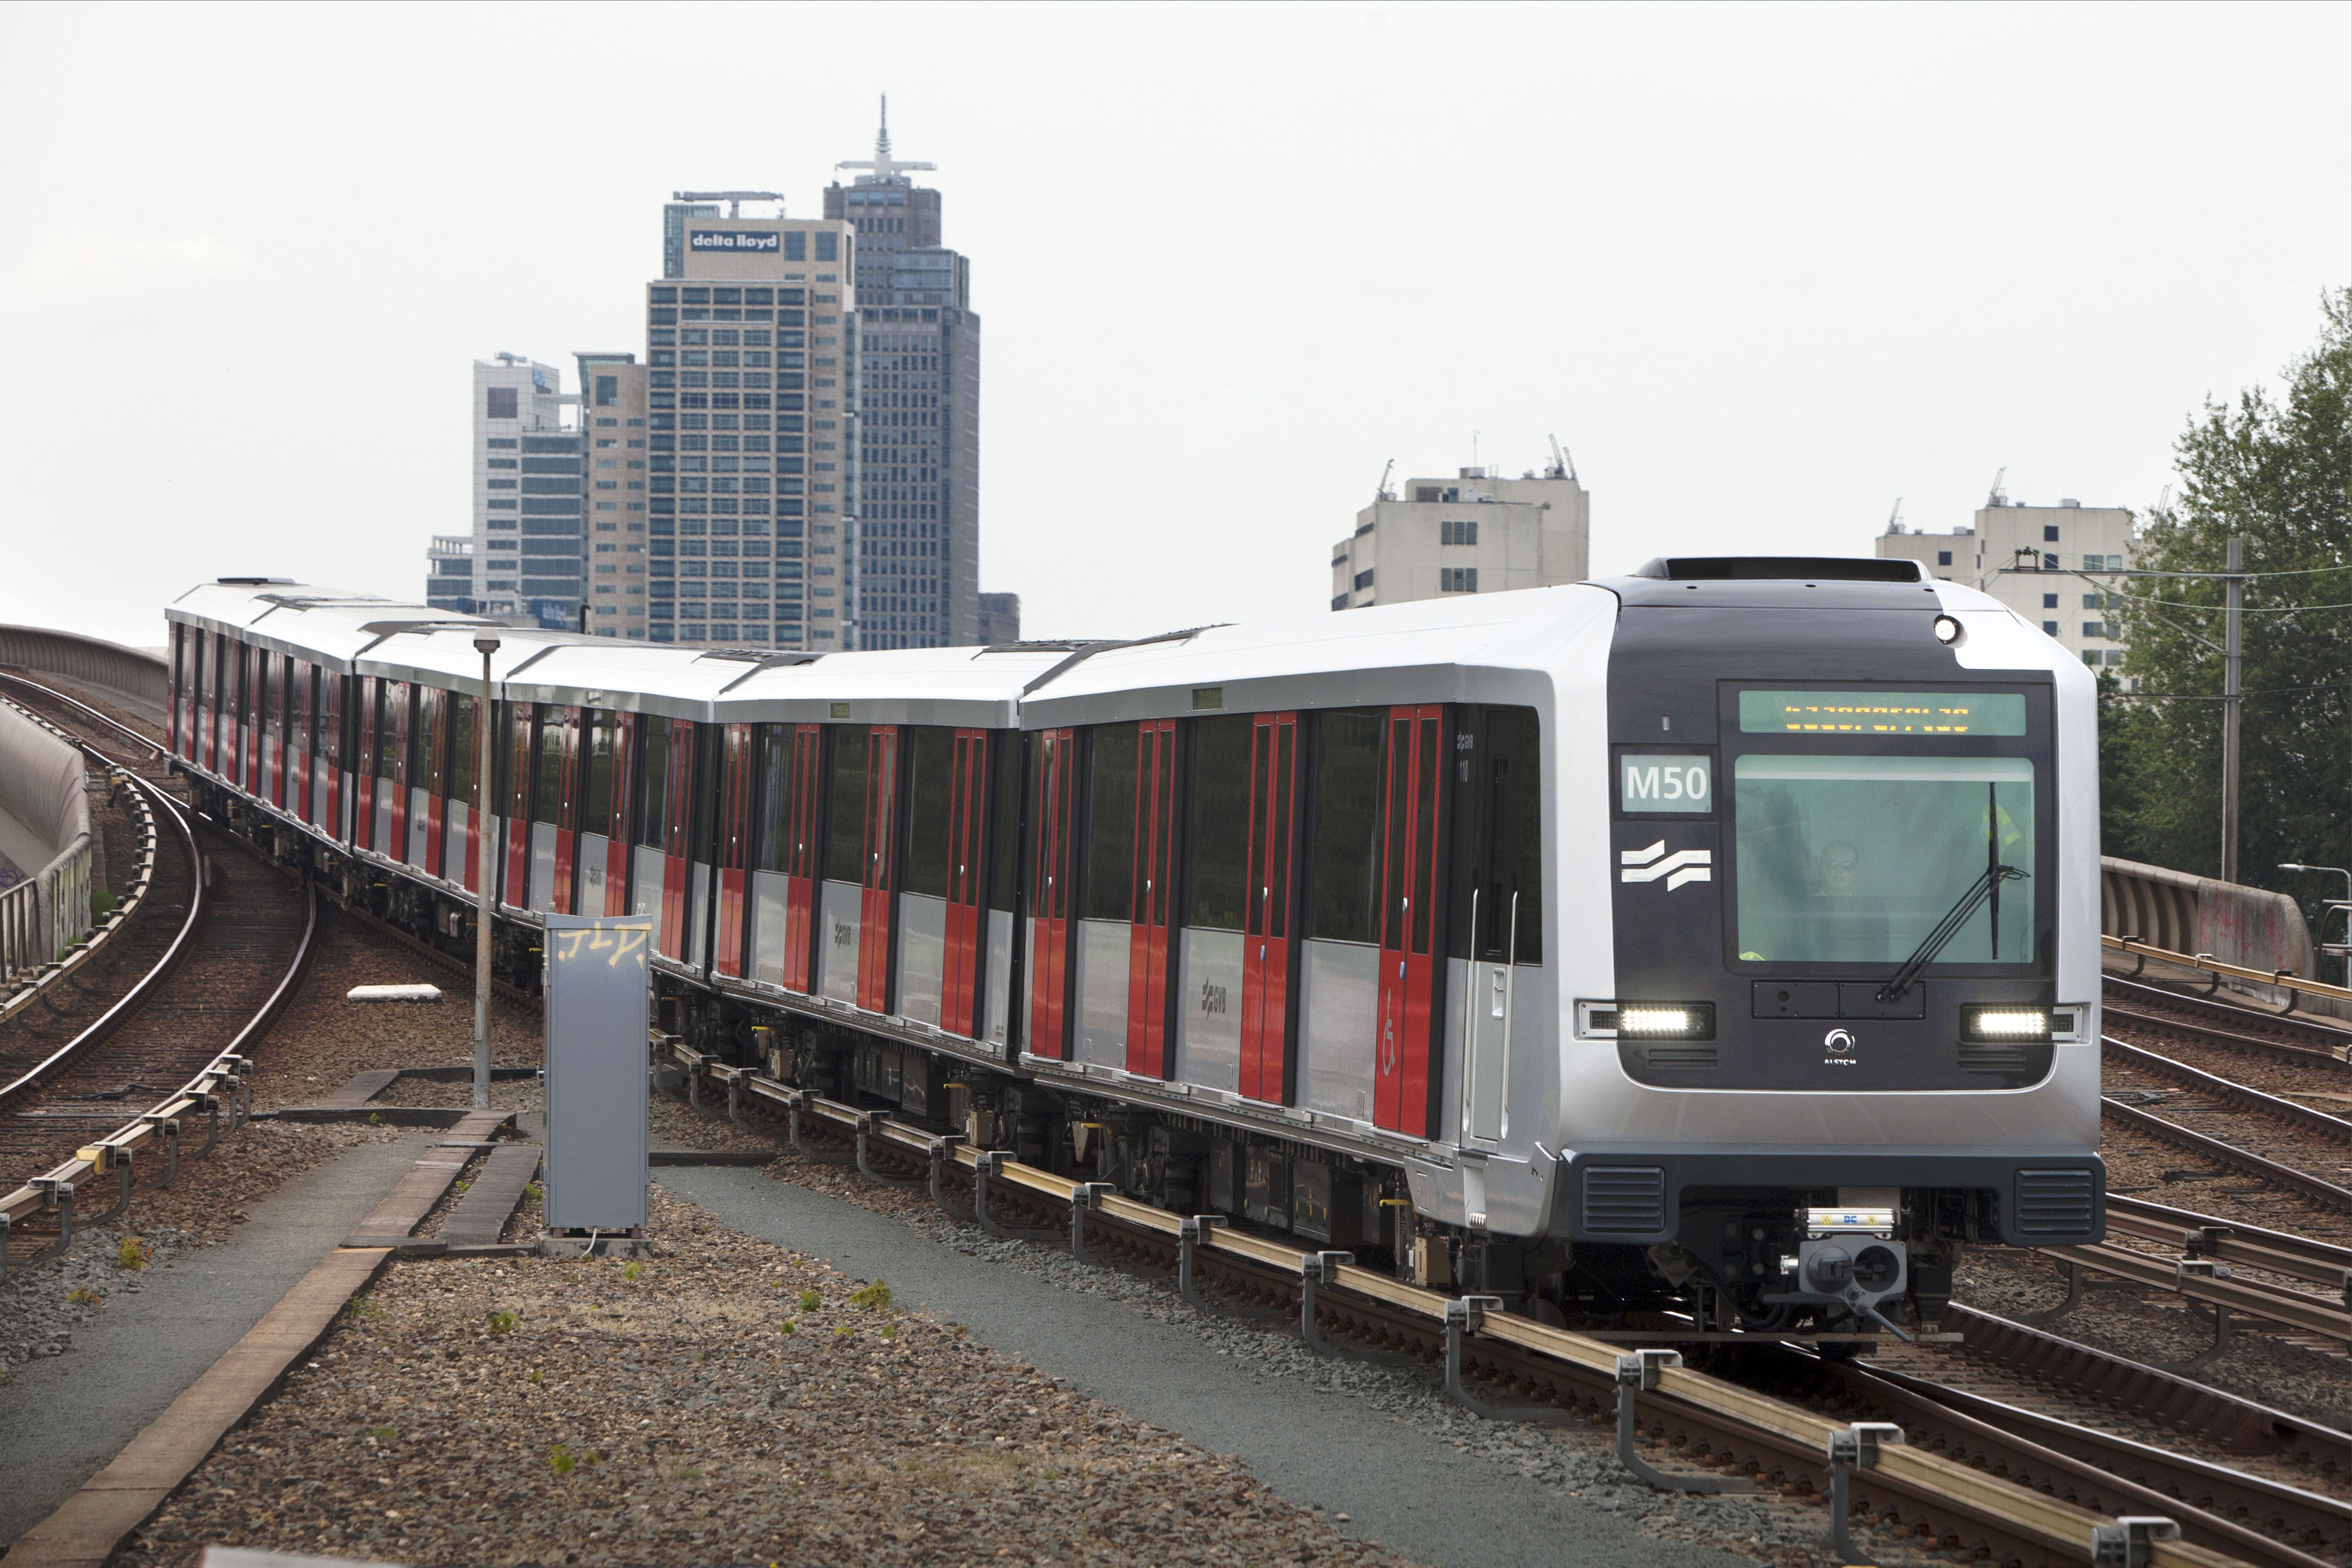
[1945, 930]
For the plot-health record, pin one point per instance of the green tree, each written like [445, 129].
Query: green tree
[2276, 474]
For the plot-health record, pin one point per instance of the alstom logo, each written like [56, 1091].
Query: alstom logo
[1682, 865]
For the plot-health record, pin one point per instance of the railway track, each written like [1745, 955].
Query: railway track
[98, 1074]
[1964, 1481]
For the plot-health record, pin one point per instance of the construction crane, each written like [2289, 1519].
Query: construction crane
[1383, 493]
[1894, 517]
[1563, 467]
[734, 199]
[1999, 497]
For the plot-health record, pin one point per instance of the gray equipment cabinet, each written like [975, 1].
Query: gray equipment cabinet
[598, 991]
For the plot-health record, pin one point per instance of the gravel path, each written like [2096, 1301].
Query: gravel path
[726, 1401]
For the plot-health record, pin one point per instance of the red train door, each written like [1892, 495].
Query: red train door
[400, 770]
[967, 802]
[881, 869]
[300, 695]
[617, 824]
[460, 810]
[560, 896]
[677, 841]
[249, 706]
[1414, 767]
[514, 795]
[1155, 839]
[1266, 950]
[430, 784]
[1049, 892]
[800, 878]
[732, 850]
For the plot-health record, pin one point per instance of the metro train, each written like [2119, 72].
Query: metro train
[1715, 946]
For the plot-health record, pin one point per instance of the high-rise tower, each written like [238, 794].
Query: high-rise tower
[917, 448]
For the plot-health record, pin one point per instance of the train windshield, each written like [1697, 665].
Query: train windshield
[1856, 859]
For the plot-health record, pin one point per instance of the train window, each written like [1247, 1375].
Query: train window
[1344, 851]
[1003, 848]
[431, 740]
[1856, 859]
[598, 796]
[392, 729]
[1109, 875]
[547, 803]
[653, 777]
[1216, 831]
[331, 718]
[465, 749]
[775, 849]
[1497, 833]
[931, 765]
[844, 847]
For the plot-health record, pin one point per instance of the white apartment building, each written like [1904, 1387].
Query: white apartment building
[1473, 533]
[612, 418]
[2037, 561]
[526, 460]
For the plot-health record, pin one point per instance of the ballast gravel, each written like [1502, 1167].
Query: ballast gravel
[723, 1401]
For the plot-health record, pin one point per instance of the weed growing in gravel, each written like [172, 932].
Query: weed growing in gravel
[876, 1296]
[537, 1376]
[889, 1331]
[811, 1301]
[789, 1326]
[461, 1187]
[503, 1323]
[633, 1271]
[843, 1331]
[132, 1254]
[531, 1191]
[83, 1296]
[563, 1460]
[384, 1436]
[364, 1307]
[375, 1118]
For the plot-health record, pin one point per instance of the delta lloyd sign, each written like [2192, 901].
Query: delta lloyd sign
[733, 239]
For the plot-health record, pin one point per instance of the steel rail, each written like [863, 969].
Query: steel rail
[2272, 1303]
[1744, 1419]
[2332, 1057]
[2151, 1392]
[2231, 1240]
[2228, 1154]
[2159, 1479]
[2299, 1116]
[2324, 1031]
[229, 1067]
[87, 711]
[147, 983]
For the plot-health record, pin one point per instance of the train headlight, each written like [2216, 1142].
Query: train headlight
[2005, 1023]
[1947, 630]
[1665, 1020]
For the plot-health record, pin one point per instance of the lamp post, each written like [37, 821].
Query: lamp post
[2345, 906]
[485, 829]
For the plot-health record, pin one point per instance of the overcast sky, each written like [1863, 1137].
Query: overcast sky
[1761, 268]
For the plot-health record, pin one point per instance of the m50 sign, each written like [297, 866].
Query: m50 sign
[1655, 783]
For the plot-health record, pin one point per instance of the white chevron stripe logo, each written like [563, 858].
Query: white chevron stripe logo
[1682, 865]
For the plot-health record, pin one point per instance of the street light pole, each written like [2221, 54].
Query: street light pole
[485, 832]
[2232, 702]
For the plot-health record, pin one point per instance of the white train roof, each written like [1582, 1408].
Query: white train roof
[1427, 650]
[977, 687]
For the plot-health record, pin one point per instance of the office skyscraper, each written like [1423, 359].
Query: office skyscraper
[751, 384]
[527, 550]
[917, 343]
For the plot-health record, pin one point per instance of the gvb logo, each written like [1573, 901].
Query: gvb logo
[1682, 865]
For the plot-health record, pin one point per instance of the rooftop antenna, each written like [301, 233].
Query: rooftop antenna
[886, 169]
[1563, 467]
[1999, 497]
[1383, 493]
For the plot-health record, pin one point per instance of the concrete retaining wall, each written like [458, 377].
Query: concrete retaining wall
[2182, 913]
[45, 831]
[90, 661]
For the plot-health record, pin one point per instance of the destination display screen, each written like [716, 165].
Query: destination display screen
[1881, 714]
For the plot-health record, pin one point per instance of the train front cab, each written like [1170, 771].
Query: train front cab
[1852, 886]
